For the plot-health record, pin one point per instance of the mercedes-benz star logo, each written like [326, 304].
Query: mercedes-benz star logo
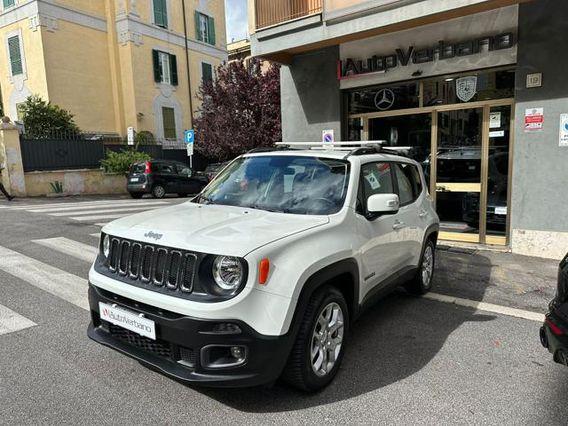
[384, 99]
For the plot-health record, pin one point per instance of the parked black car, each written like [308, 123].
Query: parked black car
[554, 332]
[161, 177]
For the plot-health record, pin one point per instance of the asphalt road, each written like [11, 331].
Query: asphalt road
[409, 360]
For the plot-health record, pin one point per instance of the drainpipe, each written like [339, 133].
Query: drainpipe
[187, 61]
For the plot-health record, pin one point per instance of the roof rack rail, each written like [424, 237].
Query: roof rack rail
[331, 146]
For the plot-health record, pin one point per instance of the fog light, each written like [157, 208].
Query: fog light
[238, 352]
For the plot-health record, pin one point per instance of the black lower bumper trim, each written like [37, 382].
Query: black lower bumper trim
[179, 340]
[556, 345]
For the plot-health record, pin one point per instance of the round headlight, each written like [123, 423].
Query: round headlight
[228, 272]
[106, 246]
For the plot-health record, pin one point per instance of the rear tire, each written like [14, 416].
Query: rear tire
[158, 191]
[320, 344]
[136, 195]
[422, 281]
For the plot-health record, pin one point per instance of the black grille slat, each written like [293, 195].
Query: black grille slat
[157, 347]
[174, 269]
[169, 270]
[160, 260]
[135, 257]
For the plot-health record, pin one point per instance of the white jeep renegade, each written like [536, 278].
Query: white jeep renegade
[263, 274]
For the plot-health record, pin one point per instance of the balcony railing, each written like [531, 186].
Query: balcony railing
[274, 12]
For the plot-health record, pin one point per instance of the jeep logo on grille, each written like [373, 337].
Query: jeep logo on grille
[153, 235]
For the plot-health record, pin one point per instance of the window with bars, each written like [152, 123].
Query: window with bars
[205, 28]
[160, 13]
[15, 55]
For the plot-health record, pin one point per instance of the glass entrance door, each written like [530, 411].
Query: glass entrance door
[458, 171]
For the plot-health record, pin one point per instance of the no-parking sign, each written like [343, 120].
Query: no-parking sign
[327, 136]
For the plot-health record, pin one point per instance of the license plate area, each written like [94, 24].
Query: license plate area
[128, 320]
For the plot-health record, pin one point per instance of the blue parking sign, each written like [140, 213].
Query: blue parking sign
[189, 136]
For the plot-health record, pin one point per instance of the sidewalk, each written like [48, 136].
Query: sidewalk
[496, 277]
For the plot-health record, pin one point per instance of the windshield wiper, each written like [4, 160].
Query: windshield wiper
[257, 206]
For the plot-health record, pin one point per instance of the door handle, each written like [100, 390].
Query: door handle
[398, 225]
[422, 213]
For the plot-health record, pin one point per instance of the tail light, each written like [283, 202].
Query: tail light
[148, 168]
[553, 327]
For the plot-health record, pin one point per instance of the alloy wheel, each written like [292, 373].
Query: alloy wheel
[427, 266]
[327, 339]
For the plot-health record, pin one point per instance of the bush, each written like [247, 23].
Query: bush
[120, 162]
[144, 137]
[45, 120]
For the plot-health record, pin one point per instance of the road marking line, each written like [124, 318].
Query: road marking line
[71, 248]
[487, 307]
[59, 283]
[102, 217]
[40, 206]
[104, 211]
[96, 234]
[99, 206]
[11, 321]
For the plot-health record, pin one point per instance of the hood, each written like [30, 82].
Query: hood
[214, 229]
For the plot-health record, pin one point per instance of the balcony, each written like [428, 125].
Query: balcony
[274, 12]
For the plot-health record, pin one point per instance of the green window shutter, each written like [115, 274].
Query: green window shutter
[160, 13]
[173, 70]
[157, 67]
[9, 3]
[211, 30]
[197, 27]
[169, 120]
[206, 71]
[15, 55]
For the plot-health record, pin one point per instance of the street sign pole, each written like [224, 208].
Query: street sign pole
[189, 138]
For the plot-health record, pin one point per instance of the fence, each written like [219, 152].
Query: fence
[66, 154]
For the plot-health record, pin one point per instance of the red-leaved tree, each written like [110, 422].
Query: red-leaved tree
[240, 110]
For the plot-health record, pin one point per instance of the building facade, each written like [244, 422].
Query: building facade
[114, 64]
[474, 90]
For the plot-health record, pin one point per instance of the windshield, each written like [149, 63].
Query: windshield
[287, 184]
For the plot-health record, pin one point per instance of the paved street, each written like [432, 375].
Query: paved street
[410, 360]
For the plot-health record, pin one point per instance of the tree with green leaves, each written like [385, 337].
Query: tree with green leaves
[43, 119]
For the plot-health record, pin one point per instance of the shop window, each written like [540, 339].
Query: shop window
[477, 86]
[385, 98]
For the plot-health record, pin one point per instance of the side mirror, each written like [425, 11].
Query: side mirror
[379, 204]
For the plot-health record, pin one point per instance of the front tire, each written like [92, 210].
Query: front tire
[158, 191]
[319, 347]
[422, 281]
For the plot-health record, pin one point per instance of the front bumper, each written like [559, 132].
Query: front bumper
[556, 344]
[182, 345]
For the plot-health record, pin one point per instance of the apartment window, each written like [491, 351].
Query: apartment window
[205, 28]
[165, 68]
[169, 120]
[160, 13]
[8, 3]
[206, 72]
[15, 54]
[20, 111]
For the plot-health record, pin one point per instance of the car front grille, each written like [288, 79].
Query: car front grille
[152, 265]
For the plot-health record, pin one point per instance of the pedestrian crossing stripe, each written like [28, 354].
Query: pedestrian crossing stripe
[64, 285]
[71, 248]
[100, 217]
[11, 321]
[37, 208]
[109, 210]
[65, 208]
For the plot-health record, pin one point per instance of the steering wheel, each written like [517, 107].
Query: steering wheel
[313, 203]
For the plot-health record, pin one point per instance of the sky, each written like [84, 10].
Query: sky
[237, 27]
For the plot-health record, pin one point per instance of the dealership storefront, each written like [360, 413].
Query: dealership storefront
[453, 116]
[477, 100]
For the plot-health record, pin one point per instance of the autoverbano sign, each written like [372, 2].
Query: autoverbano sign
[440, 52]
